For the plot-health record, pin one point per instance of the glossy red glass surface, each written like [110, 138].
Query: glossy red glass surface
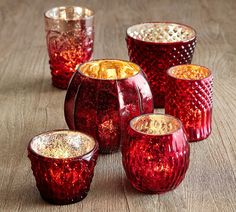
[102, 108]
[63, 180]
[190, 100]
[69, 41]
[156, 57]
[155, 163]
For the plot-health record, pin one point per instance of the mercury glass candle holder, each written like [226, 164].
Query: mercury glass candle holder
[155, 154]
[63, 164]
[70, 37]
[155, 47]
[103, 96]
[189, 97]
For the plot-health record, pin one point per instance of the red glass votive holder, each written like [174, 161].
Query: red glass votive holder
[156, 154]
[189, 97]
[70, 37]
[103, 96]
[63, 164]
[155, 47]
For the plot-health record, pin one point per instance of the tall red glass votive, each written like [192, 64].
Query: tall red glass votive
[103, 96]
[189, 97]
[63, 164]
[70, 37]
[155, 47]
[156, 153]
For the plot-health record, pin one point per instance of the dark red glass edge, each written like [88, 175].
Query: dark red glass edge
[110, 59]
[190, 80]
[162, 43]
[81, 157]
[156, 135]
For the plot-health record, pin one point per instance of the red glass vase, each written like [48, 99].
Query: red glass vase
[155, 47]
[63, 165]
[103, 96]
[70, 37]
[189, 97]
[155, 154]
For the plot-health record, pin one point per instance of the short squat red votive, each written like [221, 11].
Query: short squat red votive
[63, 164]
[70, 37]
[157, 47]
[103, 96]
[189, 98]
[156, 153]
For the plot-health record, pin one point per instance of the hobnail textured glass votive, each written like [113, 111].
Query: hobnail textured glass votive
[155, 154]
[155, 47]
[63, 164]
[189, 98]
[103, 96]
[70, 37]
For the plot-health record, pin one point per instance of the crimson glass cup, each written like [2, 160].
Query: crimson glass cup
[70, 37]
[63, 164]
[103, 96]
[155, 47]
[189, 97]
[155, 154]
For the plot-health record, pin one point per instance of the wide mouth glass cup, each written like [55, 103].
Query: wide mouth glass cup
[156, 47]
[70, 38]
[155, 154]
[63, 164]
[103, 96]
[190, 98]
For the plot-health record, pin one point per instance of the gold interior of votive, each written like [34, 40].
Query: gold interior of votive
[155, 124]
[161, 32]
[109, 69]
[189, 72]
[62, 144]
[69, 13]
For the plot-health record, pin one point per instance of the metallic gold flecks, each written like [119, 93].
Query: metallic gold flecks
[62, 144]
[190, 72]
[109, 69]
[161, 32]
[156, 124]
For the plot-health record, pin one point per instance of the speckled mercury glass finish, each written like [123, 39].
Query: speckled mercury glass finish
[189, 98]
[63, 164]
[155, 154]
[103, 96]
[70, 37]
[155, 47]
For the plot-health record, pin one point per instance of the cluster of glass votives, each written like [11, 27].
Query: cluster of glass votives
[110, 103]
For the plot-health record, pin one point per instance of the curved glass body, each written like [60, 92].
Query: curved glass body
[189, 98]
[102, 104]
[155, 154]
[63, 164]
[155, 47]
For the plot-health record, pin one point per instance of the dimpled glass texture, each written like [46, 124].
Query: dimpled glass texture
[189, 98]
[155, 47]
[70, 37]
[62, 179]
[103, 96]
[155, 154]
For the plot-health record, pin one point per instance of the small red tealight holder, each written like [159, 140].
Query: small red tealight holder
[156, 153]
[157, 46]
[63, 164]
[189, 98]
[70, 38]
